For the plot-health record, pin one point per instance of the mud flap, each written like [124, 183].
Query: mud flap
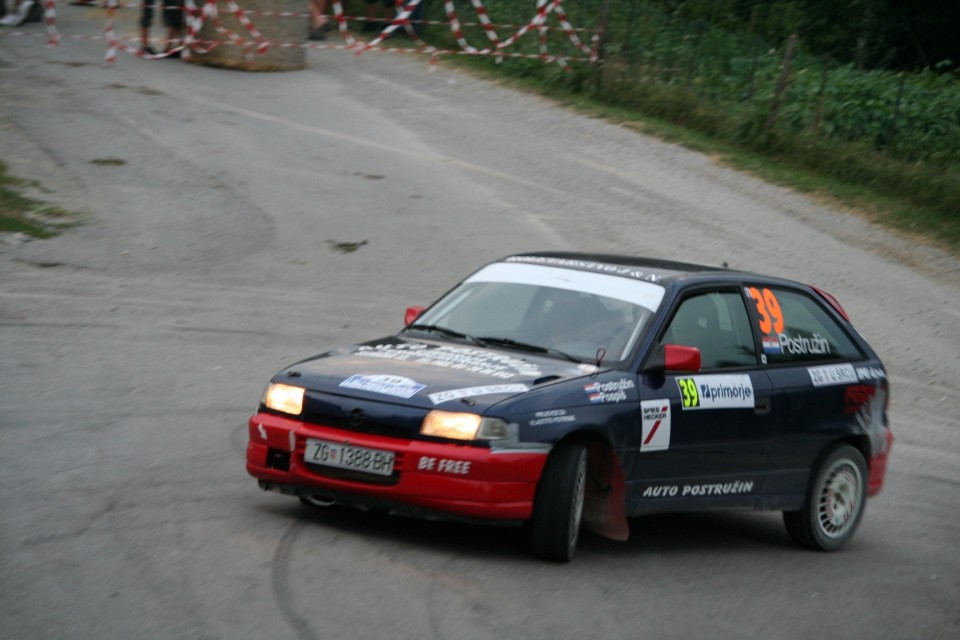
[604, 510]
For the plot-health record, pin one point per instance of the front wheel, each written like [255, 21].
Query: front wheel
[558, 504]
[834, 503]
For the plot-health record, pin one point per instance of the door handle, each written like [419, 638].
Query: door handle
[762, 406]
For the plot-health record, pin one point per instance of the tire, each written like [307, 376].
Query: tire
[558, 504]
[834, 503]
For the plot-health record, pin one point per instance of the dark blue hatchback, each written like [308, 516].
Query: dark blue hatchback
[565, 390]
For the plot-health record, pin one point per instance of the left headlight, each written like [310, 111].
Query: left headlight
[283, 397]
[463, 426]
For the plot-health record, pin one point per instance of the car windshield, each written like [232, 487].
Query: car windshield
[559, 312]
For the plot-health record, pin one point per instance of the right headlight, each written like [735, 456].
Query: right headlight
[463, 426]
[283, 397]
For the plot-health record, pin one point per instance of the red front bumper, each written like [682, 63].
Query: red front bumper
[459, 480]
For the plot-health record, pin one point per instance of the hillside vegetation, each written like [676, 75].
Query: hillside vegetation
[887, 140]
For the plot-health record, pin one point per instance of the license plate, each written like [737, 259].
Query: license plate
[342, 456]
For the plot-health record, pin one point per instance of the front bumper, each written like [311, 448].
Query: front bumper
[458, 480]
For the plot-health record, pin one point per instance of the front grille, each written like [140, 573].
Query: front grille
[360, 416]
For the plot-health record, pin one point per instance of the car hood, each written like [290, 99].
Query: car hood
[428, 374]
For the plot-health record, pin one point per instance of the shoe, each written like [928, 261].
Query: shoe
[317, 34]
[148, 51]
[173, 54]
[18, 18]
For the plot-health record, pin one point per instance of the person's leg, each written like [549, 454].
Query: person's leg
[319, 19]
[173, 18]
[146, 18]
[318, 13]
[372, 24]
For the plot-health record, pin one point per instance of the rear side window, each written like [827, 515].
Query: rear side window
[793, 327]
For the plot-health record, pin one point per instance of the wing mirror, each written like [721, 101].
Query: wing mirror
[680, 358]
[412, 314]
[675, 358]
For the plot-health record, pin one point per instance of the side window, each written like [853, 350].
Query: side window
[794, 328]
[718, 325]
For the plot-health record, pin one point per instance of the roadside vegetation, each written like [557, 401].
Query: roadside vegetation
[22, 214]
[830, 98]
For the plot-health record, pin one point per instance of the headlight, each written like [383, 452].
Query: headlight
[463, 426]
[283, 397]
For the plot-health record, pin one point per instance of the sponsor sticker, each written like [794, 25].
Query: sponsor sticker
[587, 265]
[387, 385]
[444, 465]
[871, 373]
[495, 365]
[716, 392]
[804, 345]
[553, 416]
[611, 391]
[456, 394]
[707, 489]
[771, 344]
[832, 374]
[655, 425]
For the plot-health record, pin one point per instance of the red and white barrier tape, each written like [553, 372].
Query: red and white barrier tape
[195, 18]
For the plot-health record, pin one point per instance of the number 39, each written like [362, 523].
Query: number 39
[688, 387]
[768, 307]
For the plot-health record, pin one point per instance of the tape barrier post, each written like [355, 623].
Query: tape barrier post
[252, 35]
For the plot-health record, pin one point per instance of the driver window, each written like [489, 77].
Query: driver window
[718, 325]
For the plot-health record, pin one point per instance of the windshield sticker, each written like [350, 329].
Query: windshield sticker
[655, 429]
[709, 489]
[456, 394]
[588, 265]
[832, 374]
[467, 359]
[554, 416]
[387, 385]
[716, 392]
[613, 391]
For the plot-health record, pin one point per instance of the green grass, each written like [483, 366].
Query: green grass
[920, 199]
[22, 214]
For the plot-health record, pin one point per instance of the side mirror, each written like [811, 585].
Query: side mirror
[412, 314]
[680, 358]
[674, 358]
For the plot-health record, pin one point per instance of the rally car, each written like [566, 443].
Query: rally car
[560, 390]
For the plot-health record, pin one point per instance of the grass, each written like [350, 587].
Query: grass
[915, 199]
[23, 214]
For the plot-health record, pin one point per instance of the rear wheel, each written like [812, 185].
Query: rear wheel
[834, 503]
[558, 505]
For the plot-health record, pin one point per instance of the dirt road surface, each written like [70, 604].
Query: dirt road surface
[217, 207]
